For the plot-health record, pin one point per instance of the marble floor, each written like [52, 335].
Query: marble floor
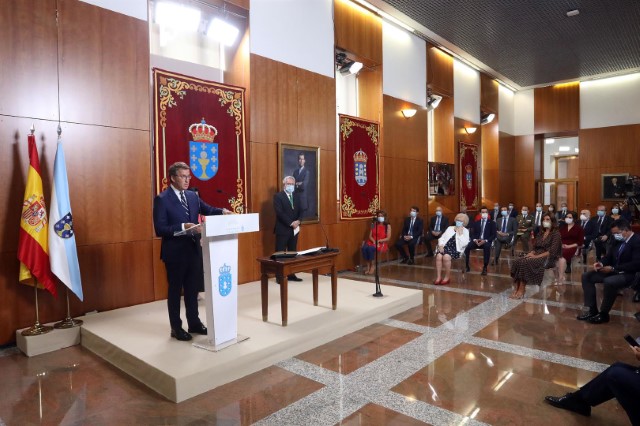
[468, 355]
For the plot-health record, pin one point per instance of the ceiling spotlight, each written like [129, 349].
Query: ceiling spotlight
[487, 118]
[409, 112]
[470, 130]
[433, 101]
[573, 12]
[347, 66]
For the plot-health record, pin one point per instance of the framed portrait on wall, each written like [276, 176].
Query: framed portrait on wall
[613, 186]
[303, 163]
[441, 179]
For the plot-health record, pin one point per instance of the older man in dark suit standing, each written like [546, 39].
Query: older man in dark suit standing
[616, 271]
[287, 206]
[174, 210]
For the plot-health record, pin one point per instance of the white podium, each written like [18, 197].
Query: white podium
[220, 262]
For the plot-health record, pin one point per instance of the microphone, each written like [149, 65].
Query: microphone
[327, 249]
[231, 195]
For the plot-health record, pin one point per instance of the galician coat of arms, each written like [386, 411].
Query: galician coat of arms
[224, 280]
[360, 165]
[203, 153]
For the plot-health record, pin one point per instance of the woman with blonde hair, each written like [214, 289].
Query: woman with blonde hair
[451, 245]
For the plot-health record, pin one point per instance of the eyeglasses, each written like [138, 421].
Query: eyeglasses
[185, 177]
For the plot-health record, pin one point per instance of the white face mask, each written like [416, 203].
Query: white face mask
[568, 220]
[381, 219]
[615, 211]
[484, 215]
[583, 217]
[618, 237]
[289, 189]
[546, 224]
[413, 214]
[525, 212]
[459, 223]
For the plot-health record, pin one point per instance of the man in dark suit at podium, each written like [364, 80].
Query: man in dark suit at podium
[287, 206]
[176, 209]
[411, 232]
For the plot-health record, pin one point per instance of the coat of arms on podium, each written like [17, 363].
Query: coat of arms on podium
[203, 152]
[224, 280]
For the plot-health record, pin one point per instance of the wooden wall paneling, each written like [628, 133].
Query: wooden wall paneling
[329, 204]
[370, 94]
[358, 31]
[557, 108]
[506, 178]
[489, 88]
[439, 71]
[14, 166]
[443, 132]
[29, 59]
[490, 163]
[286, 104]
[104, 72]
[316, 110]
[524, 171]
[404, 137]
[160, 283]
[264, 98]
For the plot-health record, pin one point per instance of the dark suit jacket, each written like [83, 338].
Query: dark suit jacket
[489, 231]
[514, 212]
[444, 223]
[604, 229]
[512, 226]
[302, 182]
[587, 229]
[285, 215]
[416, 231]
[495, 215]
[168, 217]
[629, 261]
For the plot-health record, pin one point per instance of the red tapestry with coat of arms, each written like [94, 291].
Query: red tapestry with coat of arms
[201, 123]
[359, 166]
[469, 176]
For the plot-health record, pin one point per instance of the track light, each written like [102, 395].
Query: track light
[347, 66]
[487, 118]
[433, 101]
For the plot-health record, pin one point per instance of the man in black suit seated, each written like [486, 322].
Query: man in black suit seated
[512, 210]
[620, 381]
[495, 214]
[587, 230]
[411, 233]
[437, 225]
[286, 204]
[616, 271]
[562, 213]
[482, 234]
[506, 229]
[176, 209]
[600, 231]
[537, 219]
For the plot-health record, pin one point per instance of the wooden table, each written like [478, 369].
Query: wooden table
[284, 267]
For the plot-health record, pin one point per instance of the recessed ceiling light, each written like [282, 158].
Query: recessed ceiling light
[549, 141]
[564, 149]
[573, 12]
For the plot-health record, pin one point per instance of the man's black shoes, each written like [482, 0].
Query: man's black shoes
[198, 329]
[586, 315]
[484, 271]
[180, 334]
[599, 319]
[293, 278]
[410, 262]
[570, 402]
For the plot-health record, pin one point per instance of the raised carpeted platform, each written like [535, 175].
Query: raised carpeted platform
[136, 339]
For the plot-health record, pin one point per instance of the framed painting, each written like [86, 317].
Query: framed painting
[303, 163]
[613, 186]
[441, 179]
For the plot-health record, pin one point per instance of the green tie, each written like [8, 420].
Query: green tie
[290, 200]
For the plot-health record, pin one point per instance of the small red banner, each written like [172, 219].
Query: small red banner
[468, 176]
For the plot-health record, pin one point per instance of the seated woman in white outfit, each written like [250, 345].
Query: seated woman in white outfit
[450, 246]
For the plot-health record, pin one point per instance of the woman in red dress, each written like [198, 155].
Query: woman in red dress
[382, 230]
[572, 238]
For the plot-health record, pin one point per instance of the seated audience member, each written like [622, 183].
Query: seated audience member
[600, 231]
[547, 248]
[380, 230]
[437, 225]
[525, 226]
[615, 212]
[537, 219]
[587, 230]
[562, 213]
[551, 209]
[620, 381]
[450, 246]
[572, 239]
[482, 233]
[512, 210]
[616, 271]
[495, 214]
[410, 236]
[506, 229]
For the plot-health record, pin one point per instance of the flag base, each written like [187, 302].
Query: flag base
[37, 329]
[68, 323]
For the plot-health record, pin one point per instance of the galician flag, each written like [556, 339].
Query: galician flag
[33, 246]
[62, 239]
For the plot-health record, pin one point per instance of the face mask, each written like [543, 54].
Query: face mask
[546, 224]
[459, 223]
[413, 214]
[438, 213]
[618, 237]
[568, 220]
[484, 215]
[600, 213]
[550, 209]
[289, 188]
[510, 206]
[496, 207]
[525, 212]
[564, 209]
[504, 213]
[538, 209]
[583, 217]
[381, 219]
[614, 211]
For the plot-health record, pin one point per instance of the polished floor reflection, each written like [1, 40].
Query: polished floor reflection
[467, 355]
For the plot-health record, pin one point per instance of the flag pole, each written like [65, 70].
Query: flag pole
[68, 322]
[37, 328]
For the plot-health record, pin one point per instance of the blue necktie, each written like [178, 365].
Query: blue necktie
[183, 201]
[482, 231]
[504, 224]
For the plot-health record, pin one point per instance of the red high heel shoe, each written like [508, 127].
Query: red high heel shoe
[445, 282]
[437, 282]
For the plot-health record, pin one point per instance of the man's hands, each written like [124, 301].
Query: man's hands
[295, 224]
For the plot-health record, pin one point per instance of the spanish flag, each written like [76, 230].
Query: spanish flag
[33, 248]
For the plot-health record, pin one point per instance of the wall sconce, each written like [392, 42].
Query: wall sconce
[470, 130]
[409, 112]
